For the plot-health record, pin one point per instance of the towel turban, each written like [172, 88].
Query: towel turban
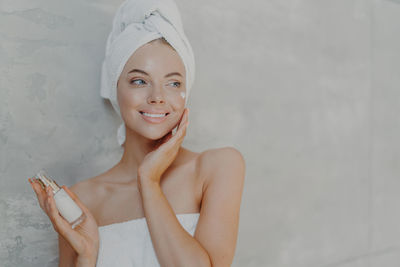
[136, 23]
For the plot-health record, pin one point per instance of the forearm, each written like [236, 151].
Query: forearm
[173, 245]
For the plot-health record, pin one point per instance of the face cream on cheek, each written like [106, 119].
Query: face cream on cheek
[64, 203]
[183, 95]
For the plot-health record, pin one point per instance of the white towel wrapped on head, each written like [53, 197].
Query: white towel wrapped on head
[136, 23]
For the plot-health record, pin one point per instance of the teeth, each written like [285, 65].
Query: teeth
[154, 115]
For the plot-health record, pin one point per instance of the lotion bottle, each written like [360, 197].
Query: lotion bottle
[68, 209]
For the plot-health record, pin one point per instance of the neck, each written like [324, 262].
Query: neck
[136, 147]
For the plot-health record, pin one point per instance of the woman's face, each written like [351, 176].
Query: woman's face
[152, 81]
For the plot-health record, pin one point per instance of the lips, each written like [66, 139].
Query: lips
[153, 114]
[154, 111]
[154, 117]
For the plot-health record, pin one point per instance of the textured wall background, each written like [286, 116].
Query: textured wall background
[307, 90]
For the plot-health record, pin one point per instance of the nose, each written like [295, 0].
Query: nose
[156, 96]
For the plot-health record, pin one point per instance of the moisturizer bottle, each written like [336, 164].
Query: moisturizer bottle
[64, 203]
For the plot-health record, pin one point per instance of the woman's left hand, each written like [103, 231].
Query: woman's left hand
[157, 161]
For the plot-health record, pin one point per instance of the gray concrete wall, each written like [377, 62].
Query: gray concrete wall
[307, 90]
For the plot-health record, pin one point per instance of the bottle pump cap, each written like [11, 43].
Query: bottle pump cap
[45, 180]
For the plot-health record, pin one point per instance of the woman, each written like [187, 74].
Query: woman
[157, 186]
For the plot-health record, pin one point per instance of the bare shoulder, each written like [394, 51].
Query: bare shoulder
[218, 159]
[214, 161]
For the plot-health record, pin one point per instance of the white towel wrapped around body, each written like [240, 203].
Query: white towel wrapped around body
[136, 23]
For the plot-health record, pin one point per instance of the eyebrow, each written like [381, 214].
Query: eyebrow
[145, 73]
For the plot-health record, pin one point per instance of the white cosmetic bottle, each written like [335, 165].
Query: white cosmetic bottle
[64, 203]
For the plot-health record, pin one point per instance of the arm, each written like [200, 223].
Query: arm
[217, 229]
[67, 256]
[216, 234]
[173, 245]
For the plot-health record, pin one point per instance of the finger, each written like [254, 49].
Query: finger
[33, 182]
[184, 117]
[177, 139]
[187, 114]
[173, 131]
[167, 137]
[173, 139]
[40, 193]
[181, 121]
[182, 130]
[50, 211]
[182, 133]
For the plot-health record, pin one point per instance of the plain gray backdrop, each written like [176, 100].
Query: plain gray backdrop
[308, 91]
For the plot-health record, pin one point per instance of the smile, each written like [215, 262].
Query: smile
[153, 117]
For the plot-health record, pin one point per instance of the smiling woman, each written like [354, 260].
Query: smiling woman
[161, 204]
[145, 23]
[146, 89]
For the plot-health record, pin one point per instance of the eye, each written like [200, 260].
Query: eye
[176, 84]
[135, 81]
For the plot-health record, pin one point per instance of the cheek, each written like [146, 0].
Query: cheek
[177, 98]
[129, 97]
[183, 95]
[177, 102]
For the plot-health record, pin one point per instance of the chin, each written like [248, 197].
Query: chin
[155, 135]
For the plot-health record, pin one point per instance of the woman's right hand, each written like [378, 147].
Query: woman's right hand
[84, 238]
